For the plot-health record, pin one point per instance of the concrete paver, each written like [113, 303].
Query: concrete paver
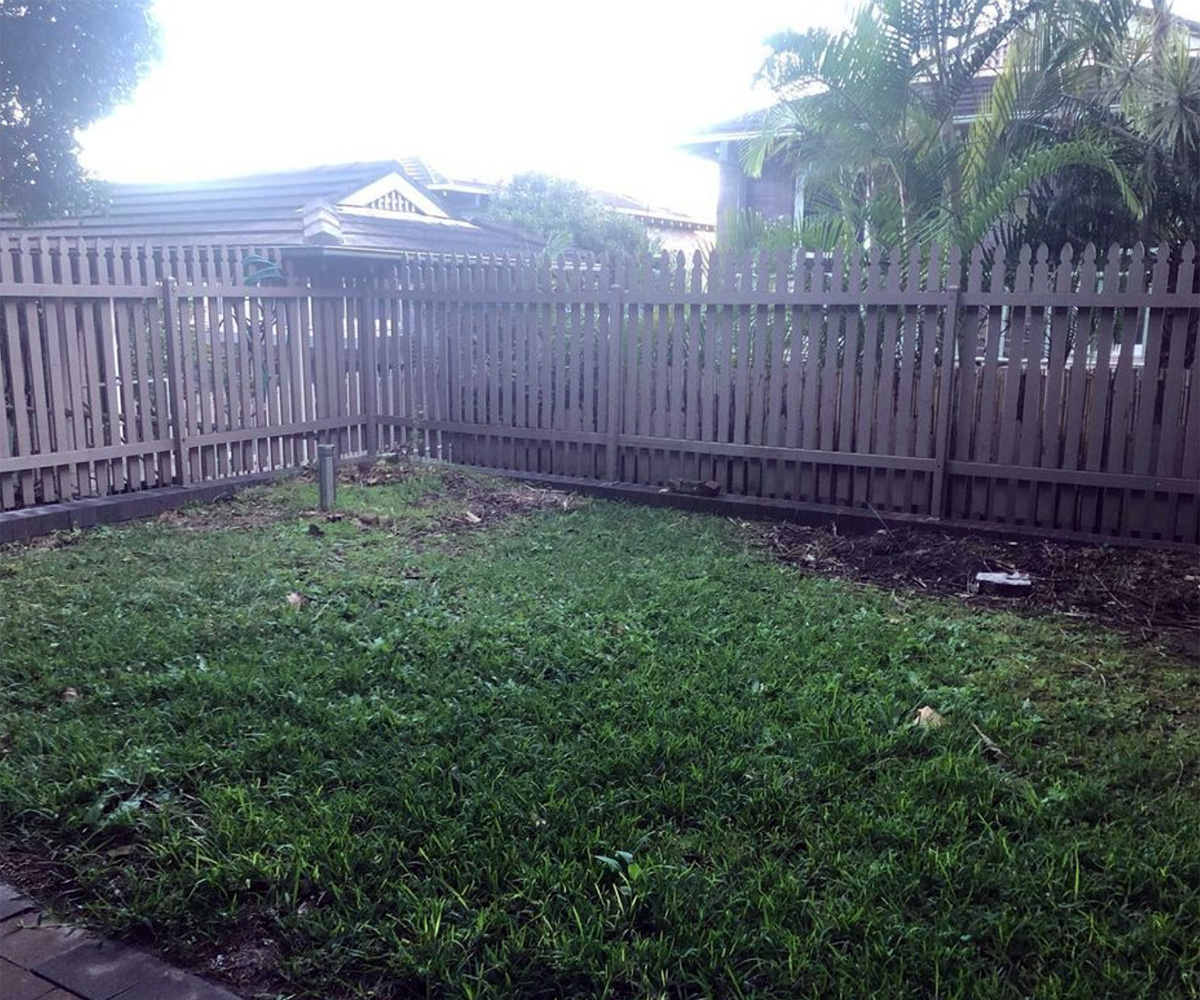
[41, 959]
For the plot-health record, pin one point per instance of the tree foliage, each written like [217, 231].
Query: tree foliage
[63, 65]
[873, 118]
[567, 215]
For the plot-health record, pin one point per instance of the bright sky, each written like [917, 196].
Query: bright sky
[599, 92]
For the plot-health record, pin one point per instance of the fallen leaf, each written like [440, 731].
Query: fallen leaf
[927, 718]
[70, 694]
[296, 600]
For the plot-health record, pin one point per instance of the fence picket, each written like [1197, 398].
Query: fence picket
[1175, 410]
[1120, 428]
[926, 391]
[1075, 375]
[1147, 510]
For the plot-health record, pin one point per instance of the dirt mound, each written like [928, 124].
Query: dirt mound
[385, 472]
[475, 505]
[1152, 594]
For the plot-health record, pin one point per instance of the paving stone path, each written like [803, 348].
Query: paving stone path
[41, 959]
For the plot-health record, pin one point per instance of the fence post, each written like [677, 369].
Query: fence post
[326, 475]
[941, 445]
[616, 338]
[368, 368]
[174, 337]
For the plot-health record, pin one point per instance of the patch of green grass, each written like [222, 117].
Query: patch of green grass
[606, 753]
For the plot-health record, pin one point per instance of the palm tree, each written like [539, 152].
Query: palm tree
[1153, 77]
[870, 115]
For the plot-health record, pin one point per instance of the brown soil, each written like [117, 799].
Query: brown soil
[223, 512]
[385, 472]
[477, 505]
[1149, 594]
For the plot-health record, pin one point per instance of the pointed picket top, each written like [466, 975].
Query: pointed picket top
[1024, 270]
[954, 266]
[762, 272]
[854, 277]
[1187, 267]
[837, 271]
[913, 278]
[1137, 268]
[1160, 277]
[1066, 269]
[783, 267]
[931, 278]
[875, 259]
[1087, 269]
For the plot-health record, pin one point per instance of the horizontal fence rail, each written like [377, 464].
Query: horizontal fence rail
[1053, 395]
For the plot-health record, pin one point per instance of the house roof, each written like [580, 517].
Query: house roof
[652, 215]
[440, 236]
[270, 209]
[744, 126]
[751, 124]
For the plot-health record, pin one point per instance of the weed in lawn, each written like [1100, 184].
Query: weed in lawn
[613, 753]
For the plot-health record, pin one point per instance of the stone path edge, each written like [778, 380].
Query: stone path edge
[44, 959]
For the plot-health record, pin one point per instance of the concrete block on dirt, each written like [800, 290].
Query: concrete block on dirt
[1004, 584]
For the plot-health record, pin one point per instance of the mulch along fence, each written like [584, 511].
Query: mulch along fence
[1053, 395]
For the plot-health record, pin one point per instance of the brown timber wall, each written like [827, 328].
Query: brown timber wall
[1054, 396]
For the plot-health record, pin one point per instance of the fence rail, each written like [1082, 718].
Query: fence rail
[1048, 395]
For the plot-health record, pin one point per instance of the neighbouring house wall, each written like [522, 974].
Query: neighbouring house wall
[772, 195]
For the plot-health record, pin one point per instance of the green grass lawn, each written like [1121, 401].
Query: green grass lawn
[610, 752]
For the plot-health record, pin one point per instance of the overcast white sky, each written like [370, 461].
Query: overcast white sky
[600, 92]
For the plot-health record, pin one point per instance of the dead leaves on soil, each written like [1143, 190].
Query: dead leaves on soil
[1152, 593]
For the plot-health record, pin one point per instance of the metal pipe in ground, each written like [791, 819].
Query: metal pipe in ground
[326, 475]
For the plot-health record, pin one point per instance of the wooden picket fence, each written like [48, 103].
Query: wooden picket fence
[1036, 394]
[116, 379]
[1043, 395]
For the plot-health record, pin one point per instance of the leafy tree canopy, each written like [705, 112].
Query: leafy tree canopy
[871, 118]
[567, 215]
[63, 65]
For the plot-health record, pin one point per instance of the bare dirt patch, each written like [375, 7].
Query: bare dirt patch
[474, 505]
[1149, 594]
[385, 472]
[224, 512]
[453, 503]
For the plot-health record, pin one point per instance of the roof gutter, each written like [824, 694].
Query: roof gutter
[378, 255]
